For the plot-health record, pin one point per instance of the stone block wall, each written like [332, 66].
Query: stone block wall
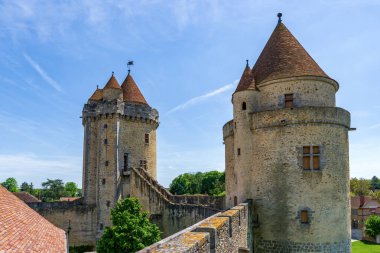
[222, 232]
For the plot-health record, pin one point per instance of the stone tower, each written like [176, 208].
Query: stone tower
[287, 150]
[119, 133]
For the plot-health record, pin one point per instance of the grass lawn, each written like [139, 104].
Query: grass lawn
[365, 247]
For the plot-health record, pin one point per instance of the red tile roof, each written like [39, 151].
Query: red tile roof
[132, 93]
[246, 81]
[97, 95]
[24, 230]
[26, 197]
[112, 83]
[283, 56]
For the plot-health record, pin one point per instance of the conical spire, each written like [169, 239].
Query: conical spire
[283, 56]
[97, 95]
[132, 93]
[112, 83]
[247, 80]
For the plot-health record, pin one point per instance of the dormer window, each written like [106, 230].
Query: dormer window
[244, 106]
[289, 100]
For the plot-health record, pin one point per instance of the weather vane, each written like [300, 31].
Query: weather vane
[129, 64]
[279, 15]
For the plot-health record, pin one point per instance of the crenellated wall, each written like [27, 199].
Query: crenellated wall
[226, 231]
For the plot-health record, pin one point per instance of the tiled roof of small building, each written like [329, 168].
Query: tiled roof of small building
[97, 95]
[283, 56]
[24, 230]
[112, 83]
[371, 204]
[26, 197]
[131, 92]
[246, 81]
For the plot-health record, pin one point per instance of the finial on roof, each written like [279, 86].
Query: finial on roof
[112, 73]
[97, 87]
[129, 64]
[247, 62]
[279, 15]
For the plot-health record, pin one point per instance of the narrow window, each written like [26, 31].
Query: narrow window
[238, 151]
[288, 100]
[108, 203]
[101, 226]
[105, 126]
[103, 181]
[146, 138]
[143, 164]
[126, 161]
[244, 106]
[311, 158]
[106, 163]
[304, 217]
[235, 201]
[106, 141]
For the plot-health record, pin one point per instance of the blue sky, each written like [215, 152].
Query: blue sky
[188, 56]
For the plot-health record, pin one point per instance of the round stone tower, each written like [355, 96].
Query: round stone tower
[287, 150]
[119, 133]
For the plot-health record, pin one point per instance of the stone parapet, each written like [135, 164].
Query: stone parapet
[302, 115]
[130, 111]
[222, 232]
[228, 129]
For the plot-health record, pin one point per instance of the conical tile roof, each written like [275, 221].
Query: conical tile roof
[247, 80]
[112, 83]
[97, 95]
[131, 92]
[283, 56]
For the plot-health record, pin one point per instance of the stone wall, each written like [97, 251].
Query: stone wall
[223, 232]
[79, 217]
[170, 212]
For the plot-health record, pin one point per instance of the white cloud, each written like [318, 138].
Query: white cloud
[204, 97]
[29, 167]
[43, 73]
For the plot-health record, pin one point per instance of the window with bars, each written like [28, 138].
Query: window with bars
[143, 164]
[289, 100]
[146, 138]
[311, 158]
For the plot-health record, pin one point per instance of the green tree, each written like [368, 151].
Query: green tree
[360, 186]
[131, 230]
[71, 189]
[211, 183]
[372, 226]
[375, 195]
[26, 187]
[10, 184]
[375, 183]
[52, 190]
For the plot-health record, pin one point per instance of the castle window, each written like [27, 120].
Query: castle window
[105, 141]
[244, 106]
[103, 181]
[106, 163]
[126, 161]
[146, 138]
[143, 164]
[304, 217]
[238, 151]
[235, 200]
[311, 158]
[289, 100]
[108, 203]
[105, 126]
[101, 226]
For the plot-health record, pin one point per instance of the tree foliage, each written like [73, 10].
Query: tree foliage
[375, 183]
[52, 190]
[27, 187]
[10, 184]
[360, 186]
[71, 190]
[211, 183]
[372, 226]
[131, 230]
